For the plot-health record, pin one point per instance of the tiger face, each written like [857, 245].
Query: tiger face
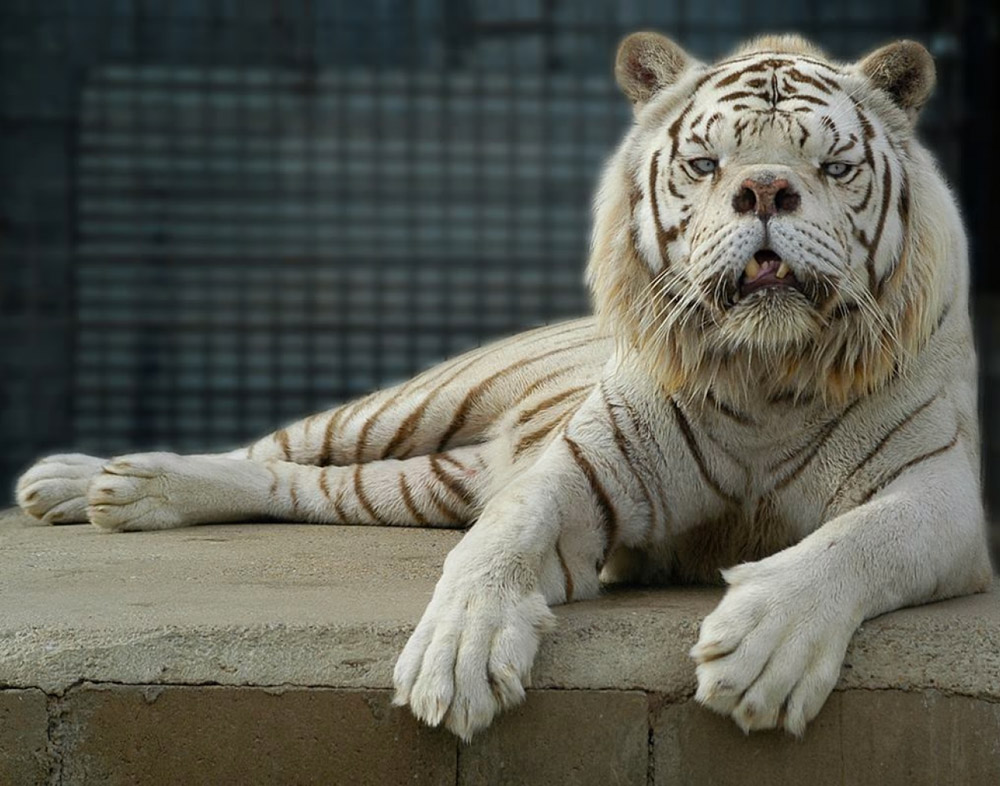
[760, 207]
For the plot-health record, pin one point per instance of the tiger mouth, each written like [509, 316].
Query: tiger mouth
[766, 270]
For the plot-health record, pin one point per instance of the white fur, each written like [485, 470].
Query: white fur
[825, 456]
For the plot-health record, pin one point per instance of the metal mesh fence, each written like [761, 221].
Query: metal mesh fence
[218, 216]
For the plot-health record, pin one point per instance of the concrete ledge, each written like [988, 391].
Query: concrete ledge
[264, 653]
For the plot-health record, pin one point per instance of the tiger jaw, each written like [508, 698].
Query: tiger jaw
[770, 305]
[769, 283]
[765, 270]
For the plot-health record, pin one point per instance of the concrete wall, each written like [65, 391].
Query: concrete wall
[117, 734]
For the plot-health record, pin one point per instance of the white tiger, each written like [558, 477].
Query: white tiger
[780, 382]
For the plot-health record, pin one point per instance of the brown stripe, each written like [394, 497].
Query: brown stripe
[798, 76]
[844, 147]
[409, 425]
[881, 444]
[831, 82]
[567, 576]
[362, 443]
[453, 461]
[884, 210]
[450, 483]
[293, 493]
[622, 443]
[634, 195]
[803, 133]
[531, 438]
[540, 383]
[911, 463]
[424, 379]
[274, 481]
[281, 437]
[728, 80]
[404, 490]
[649, 438]
[325, 488]
[662, 238]
[340, 417]
[323, 484]
[324, 456]
[740, 461]
[744, 94]
[813, 449]
[809, 99]
[689, 439]
[775, 59]
[362, 497]
[728, 411]
[903, 210]
[609, 518]
[452, 516]
[338, 508]
[473, 396]
[528, 414]
[943, 316]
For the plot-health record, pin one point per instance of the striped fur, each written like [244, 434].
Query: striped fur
[816, 442]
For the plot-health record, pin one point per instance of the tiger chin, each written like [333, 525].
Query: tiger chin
[778, 387]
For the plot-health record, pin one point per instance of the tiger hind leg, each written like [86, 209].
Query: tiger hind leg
[55, 489]
[150, 491]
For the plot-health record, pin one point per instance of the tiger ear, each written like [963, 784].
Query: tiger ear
[647, 63]
[904, 70]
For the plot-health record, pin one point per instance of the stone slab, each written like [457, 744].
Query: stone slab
[285, 604]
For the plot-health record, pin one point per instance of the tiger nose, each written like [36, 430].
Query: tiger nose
[766, 197]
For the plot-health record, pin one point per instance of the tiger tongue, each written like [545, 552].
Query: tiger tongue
[766, 263]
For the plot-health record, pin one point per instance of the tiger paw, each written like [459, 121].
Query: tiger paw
[470, 656]
[149, 491]
[55, 489]
[770, 654]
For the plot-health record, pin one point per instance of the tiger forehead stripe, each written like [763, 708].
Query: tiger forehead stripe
[798, 76]
[711, 122]
[790, 73]
[775, 56]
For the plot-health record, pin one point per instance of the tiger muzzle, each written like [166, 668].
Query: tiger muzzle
[767, 197]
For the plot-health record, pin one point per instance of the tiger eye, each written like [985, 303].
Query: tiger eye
[704, 166]
[837, 168]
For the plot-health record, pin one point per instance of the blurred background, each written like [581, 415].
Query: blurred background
[220, 215]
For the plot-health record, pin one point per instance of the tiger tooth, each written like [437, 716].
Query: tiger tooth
[782, 270]
[752, 269]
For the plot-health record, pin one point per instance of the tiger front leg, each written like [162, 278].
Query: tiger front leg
[771, 652]
[537, 543]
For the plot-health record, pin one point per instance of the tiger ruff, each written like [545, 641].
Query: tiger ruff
[779, 383]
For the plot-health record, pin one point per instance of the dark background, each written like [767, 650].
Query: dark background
[220, 215]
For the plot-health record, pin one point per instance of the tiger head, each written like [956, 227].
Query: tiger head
[770, 222]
